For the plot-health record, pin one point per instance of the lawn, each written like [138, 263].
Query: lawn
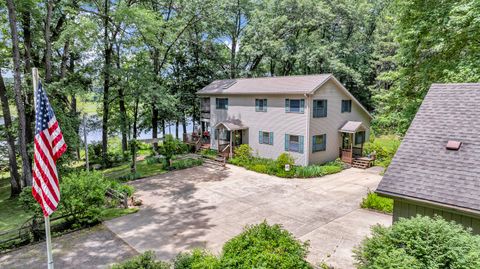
[143, 170]
[12, 214]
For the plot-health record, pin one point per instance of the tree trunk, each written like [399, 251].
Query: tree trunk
[184, 125]
[133, 146]
[15, 180]
[27, 43]
[26, 168]
[106, 86]
[63, 65]
[176, 129]
[155, 126]
[163, 128]
[123, 110]
[48, 44]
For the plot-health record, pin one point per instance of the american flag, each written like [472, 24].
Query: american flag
[49, 146]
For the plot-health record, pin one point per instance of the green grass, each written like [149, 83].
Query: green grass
[12, 214]
[143, 170]
[375, 202]
[318, 170]
[111, 213]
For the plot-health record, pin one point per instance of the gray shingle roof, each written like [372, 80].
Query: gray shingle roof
[266, 85]
[423, 168]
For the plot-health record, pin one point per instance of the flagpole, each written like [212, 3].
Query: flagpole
[48, 238]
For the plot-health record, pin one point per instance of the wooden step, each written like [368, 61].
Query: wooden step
[362, 164]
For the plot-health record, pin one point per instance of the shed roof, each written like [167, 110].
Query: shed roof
[306, 84]
[423, 169]
[232, 124]
[351, 127]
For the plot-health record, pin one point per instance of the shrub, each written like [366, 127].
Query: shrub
[385, 148]
[243, 153]
[123, 188]
[143, 261]
[319, 170]
[83, 195]
[196, 259]
[208, 153]
[264, 246]
[285, 159]
[419, 242]
[155, 159]
[373, 201]
[29, 203]
[186, 163]
[260, 168]
[171, 147]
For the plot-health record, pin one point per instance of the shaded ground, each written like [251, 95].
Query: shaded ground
[90, 248]
[205, 206]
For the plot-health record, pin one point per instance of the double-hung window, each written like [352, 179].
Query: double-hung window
[319, 108]
[319, 143]
[265, 137]
[221, 103]
[346, 106]
[294, 105]
[261, 105]
[294, 143]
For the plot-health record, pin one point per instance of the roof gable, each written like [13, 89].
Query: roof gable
[423, 168]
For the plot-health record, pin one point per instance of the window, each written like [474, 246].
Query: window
[265, 138]
[346, 106]
[359, 137]
[294, 105]
[221, 103]
[294, 143]
[261, 105]
[319, 143]
[319, 108]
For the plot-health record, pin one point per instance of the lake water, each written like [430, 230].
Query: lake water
[95, 133]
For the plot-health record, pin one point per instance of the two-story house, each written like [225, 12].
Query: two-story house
[314, 117]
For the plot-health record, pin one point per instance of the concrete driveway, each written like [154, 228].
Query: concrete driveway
[207, 205]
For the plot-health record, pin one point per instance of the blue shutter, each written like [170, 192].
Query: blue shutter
[324, 146]
[215, 134]
[226, 103]
[325, 108]
[300, 143]
[315, 108]
[313, 144]
[302, 105]
[257, 106]
[287, 141]
[260, 137]
[216, 103]
[271, 138]
[287, 105]
[265, 105]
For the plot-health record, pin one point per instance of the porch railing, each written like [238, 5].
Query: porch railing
[347, 155]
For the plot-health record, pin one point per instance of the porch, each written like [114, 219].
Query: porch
[353, 136]
[230, 134]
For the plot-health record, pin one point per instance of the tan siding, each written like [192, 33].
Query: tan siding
[334, 120]
[404, 209]
[275, 120]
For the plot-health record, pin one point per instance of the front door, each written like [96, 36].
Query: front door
[237, 139]
[346, 141]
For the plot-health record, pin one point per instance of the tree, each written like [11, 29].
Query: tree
[437, 42]
[26, 168]
[15, 180]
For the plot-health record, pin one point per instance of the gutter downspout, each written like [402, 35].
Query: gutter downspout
[306, 150]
